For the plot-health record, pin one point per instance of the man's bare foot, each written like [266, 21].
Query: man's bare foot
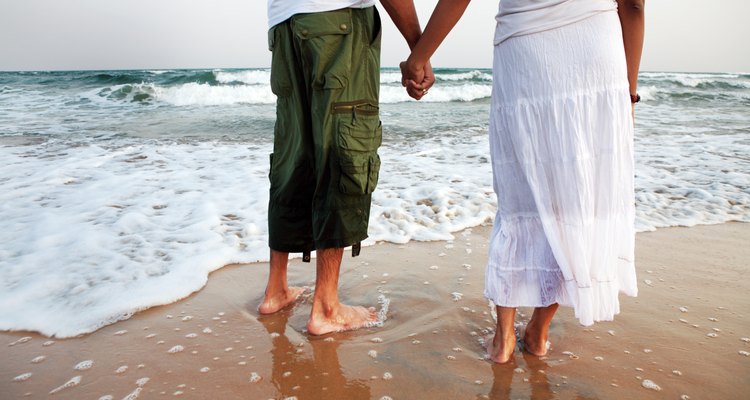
[342, 318]
[277, 301]
[500, 350]
[535, 341]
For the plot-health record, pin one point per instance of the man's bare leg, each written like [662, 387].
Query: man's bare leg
[328, 314]
[501, 345]
[278, 293]
[537, 331]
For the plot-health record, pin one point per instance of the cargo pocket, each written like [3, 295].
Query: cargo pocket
[358, 142]
[324, 44]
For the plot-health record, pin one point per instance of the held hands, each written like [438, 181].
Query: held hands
[417, 79]
[416, 71]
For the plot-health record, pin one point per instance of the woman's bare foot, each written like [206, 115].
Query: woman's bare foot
[498, 349]
[276, 301]
[536, 335]
[342, 318]
[535, 340]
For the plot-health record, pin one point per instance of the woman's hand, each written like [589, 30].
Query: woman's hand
[417, 79]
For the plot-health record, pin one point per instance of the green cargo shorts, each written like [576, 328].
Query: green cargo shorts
[325, 73]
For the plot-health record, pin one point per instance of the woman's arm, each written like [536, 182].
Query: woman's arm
[632, 20]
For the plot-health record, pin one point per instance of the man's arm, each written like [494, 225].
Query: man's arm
[404, 16]
[633, 21]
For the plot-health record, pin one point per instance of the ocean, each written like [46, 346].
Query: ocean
[122, 190]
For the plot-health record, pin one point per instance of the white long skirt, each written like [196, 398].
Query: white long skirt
[561, 139]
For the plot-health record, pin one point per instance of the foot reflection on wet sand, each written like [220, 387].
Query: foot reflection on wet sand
[295, 373]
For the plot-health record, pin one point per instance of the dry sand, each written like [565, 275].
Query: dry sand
[687, 332]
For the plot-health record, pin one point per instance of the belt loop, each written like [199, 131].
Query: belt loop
[356, 248]
[306, 256]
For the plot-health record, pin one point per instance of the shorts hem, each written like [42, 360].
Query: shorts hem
[338, 243]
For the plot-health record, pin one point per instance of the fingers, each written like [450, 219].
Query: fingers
[404, 78]
[416, 79]
[429, 77]
[414, 90]
[410, 72]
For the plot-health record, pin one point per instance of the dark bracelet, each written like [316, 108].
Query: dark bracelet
[634, 98]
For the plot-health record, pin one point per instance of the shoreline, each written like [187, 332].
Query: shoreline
[684, 332]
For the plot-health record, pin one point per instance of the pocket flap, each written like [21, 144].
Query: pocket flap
[365, 135]
[312, 25]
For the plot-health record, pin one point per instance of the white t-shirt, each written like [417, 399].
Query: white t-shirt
[281, 10]
[522, 17]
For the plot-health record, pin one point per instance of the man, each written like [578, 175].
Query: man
[324, 167]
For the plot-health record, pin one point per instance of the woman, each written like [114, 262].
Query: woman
[561, 139]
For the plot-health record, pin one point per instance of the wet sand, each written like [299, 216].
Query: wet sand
[687, 332]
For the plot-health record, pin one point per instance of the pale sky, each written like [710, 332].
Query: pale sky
[681, 35]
